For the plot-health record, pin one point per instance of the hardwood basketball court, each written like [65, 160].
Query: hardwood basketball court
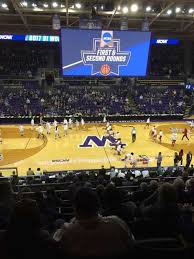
[87, 148]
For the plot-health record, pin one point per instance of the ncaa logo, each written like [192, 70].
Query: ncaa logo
[107, 37]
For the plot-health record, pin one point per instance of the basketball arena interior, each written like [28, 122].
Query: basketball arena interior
[96, 128]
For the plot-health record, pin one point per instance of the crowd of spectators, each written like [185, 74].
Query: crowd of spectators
[64, 101]
[95, 215]
[156, 100]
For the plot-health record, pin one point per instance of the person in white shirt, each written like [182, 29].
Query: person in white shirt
[56, 132]
[40, 131]
[32, 123]
[83, 123]
[104, 119]
[21, 130]
[48, 128]
[65, 121]
[55, 123]
[133, 134]
[70, 123]
[155, 135]
[65, 127]
[173, 138]
[147, 123]
[119, 149]
[160, 136]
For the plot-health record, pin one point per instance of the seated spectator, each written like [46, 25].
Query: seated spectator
[113, 201]
[29, 172]
[179, 186]
[164, 215]
[190, 191]
[24, 238]
[7, 203]
[191, 170]
[90, 234]
[141, 194]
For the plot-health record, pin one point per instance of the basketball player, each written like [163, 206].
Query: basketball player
[70, 123]
[160, 136]
[83, 123]
[174, 138]
[107, 124]
[77, 124]
[104, 119]
[65, 121]
[21, 130]
[32, 123]
[40, 131]
[56, 132]
[147, 123]
[119, 150]
[41, 119]
[185, 134]
[133, 134]
[48, 128]
[65, 127]
[155, 135]
[1, 140]
[152, 130]
[55, 123]
[191, 125]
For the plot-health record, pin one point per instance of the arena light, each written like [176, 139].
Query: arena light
[78, 5]
[191, 10]
[62, 6]
[45, 5]
[177, 10]
[148, 8]
[134, 8]
[34, 5]
[4, 5]
[25, 4]
[169, 12]
[125, 9]
[102, 7]
[54, 4]
[118, 7]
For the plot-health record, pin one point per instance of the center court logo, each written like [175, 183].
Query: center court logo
[106, 57]
[94, 141]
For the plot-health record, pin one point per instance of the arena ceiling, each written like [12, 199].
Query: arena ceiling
[165, 18]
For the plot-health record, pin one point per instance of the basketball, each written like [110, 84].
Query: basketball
[105, 69]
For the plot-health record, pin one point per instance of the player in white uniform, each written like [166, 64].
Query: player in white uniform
[70, 123]
[117, 134]
[174, 138]
[21, 130]
[32, 123]
[48, 128]
[104, 119]
[160, 136]
[192, 125]
[55, 123]
[56, 132]
[77, 125]
[119, 150]
[155, 134]
[65, 127]
[83, 123]
[40, 131]
[147, 123]
[65, 121]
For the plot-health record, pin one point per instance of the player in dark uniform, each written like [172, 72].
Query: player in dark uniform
[185, 134]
